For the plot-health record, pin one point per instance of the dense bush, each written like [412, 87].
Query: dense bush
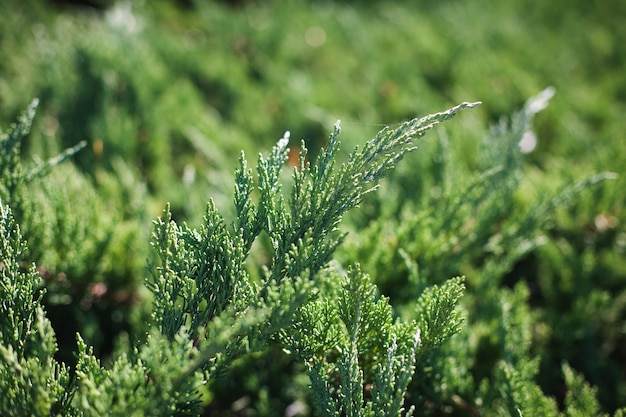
[166, 96]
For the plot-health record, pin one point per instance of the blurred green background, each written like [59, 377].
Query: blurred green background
[167, 93]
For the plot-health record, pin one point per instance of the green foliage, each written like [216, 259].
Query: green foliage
[473, 224]
[475, 219]
[85, 247]
[13, 174]
[31, 381]
[145, 382]
[208, 311]
[166, 95]
[438, 318]
[368, 358]
[201, 272]
[581, 398]
[204, 269]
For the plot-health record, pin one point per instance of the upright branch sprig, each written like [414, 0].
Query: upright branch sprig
[20, 292]
[368, 362]
[245, 221]
[202, 280]
[271, 213]
[199, 271]
[202, 271]
[31, 382]
[321, 195]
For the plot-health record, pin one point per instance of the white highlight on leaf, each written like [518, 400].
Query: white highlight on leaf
[121, 17]
[528, 143]
[534, 105]
[284, 141]
[539, 102]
